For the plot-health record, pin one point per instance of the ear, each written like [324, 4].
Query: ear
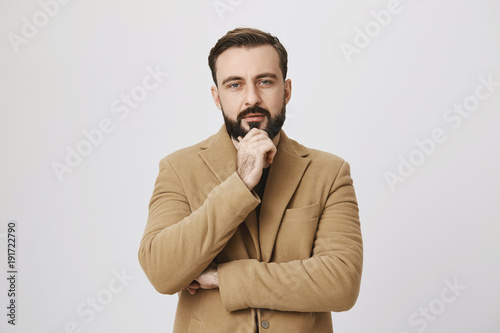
[288, 90]
[216, 97]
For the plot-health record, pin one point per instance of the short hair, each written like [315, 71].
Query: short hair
[247, 37]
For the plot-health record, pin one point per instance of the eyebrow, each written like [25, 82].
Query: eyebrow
[260, 76]
[232, 78]
[271, 75]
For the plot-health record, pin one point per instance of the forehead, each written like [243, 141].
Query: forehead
[247, 62]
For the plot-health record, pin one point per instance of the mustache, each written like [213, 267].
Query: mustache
[253, 109]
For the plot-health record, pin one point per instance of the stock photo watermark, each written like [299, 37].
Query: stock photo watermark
[371, 30]
[121, 108]
[425, 315]
[453, 117]
[12, 272]
[223, 6]
[31, 27]
[88, 309]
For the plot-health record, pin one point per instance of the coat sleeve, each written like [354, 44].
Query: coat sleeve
[327, 281]
[178, 244]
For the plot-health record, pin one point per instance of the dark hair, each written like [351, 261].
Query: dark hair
[247, 37]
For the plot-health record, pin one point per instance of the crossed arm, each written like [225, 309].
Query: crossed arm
[328, 281]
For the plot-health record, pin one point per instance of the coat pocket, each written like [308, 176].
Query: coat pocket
[296, 233]
[301, 214]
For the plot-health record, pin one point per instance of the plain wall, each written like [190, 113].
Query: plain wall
[379, 83]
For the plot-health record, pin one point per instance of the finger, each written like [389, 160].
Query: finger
[256, 143]
[256, 138]
[267, 150]
[194, 285]
[191, 291]
[254, 132]
[270, 155]
[264, 147]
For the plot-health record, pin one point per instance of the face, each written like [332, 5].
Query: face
[251, 91]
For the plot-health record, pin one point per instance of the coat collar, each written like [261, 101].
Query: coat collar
[219, 154]
[286, 171]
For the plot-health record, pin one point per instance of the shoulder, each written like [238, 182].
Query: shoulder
[325, 165]
[217, 146]
[322, 165]
[187, 155]
[184, 154]
[315, 155]
[324, 157]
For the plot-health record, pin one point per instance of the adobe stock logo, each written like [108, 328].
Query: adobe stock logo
[429, 313]
[95, 137]
[222, 6]
[426, 147]
[94, 304]
[30, 28]
[373, 28]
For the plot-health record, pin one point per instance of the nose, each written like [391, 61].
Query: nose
[252, 96]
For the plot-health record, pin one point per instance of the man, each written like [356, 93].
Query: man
[254, 231]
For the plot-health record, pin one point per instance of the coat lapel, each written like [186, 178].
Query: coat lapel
[285, 174]
[219, 155]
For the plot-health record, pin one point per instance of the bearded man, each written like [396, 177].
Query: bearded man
[255, 232]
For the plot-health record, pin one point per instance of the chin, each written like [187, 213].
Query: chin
[254, 124]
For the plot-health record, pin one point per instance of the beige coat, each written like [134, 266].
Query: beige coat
[283, 274]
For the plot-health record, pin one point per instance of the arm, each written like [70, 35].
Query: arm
[328, 281]
[179, 244]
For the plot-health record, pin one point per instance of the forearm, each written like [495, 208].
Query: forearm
[329, 280]
[313, 285]
[178, 245]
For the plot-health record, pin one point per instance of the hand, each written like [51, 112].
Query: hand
[207, 280]
[256, 151]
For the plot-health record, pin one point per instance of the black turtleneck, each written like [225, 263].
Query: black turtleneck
[259, 188]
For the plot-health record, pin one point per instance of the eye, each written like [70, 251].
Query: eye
[233, 85]
[266, 82]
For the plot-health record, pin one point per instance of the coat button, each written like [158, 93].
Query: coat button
[265, 324]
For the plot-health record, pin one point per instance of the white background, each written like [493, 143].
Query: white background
[440, 224]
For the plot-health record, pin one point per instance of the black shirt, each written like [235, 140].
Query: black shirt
[259, 188]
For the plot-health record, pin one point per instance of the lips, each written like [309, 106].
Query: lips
[254, 117]
[253, 114]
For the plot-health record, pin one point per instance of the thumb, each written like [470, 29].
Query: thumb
[270, 156]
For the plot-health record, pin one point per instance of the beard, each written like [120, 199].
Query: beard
[273, 127]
